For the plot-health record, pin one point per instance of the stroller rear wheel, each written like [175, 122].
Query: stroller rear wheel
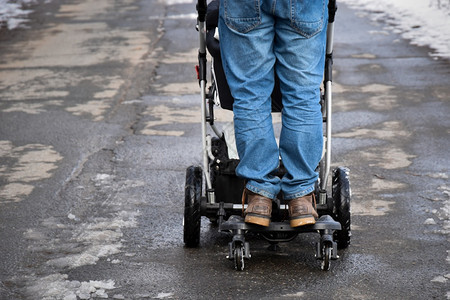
[341, 198]
[192, 213]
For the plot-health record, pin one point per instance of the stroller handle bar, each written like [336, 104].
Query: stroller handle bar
[332, 8]
[201, 9]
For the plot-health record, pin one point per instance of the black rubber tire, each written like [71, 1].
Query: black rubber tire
[192, 213]
[239, 257]
[341, 194]
[326, 253]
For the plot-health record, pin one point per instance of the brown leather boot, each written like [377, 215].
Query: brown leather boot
[302, 212]
[259, 208]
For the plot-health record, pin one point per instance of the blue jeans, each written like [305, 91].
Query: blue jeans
[257, 39]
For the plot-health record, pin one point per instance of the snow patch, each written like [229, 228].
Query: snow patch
[430, 221]
[164, 295]
[96, 240]
[57, 286]
[423, 22]
[440, 279]
[296, 295]
[13, 14]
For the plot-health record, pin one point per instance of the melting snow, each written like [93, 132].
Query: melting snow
[12, 14]
[424, 22]
[164, 295]
[57, 286]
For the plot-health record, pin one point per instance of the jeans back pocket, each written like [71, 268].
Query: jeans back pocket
[242, 15]
[308, 16]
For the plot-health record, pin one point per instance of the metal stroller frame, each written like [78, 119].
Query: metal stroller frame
[221, 200]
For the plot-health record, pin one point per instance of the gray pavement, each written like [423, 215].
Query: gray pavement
[99, 118]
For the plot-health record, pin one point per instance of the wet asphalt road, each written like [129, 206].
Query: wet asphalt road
[99, 118]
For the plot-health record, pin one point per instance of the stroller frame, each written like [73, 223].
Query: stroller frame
[220, 201]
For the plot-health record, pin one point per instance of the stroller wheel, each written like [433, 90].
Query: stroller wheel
[239, 257]
[192, 214]
[326, 254]
[341, 197]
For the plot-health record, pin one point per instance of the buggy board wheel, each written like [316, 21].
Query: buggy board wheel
[192, 214]
[239, 257]
[326, 256]
[341, 194]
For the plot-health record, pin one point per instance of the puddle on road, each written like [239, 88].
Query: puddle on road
[30, 163]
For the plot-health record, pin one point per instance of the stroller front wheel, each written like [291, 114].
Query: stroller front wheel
[239, 257]
[326, 253]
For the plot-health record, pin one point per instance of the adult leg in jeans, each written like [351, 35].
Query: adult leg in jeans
[300, 50]
[256, 35]
[246, 42]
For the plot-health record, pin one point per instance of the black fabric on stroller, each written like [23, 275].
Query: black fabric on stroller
[226, 100]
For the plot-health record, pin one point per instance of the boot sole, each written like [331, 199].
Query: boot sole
[302, 221]
[258, 220]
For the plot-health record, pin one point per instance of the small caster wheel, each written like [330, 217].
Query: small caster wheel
[326, 256]
[239, 257]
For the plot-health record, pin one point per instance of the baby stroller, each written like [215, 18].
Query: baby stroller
[220, 200]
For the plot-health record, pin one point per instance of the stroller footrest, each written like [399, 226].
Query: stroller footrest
[237, 223]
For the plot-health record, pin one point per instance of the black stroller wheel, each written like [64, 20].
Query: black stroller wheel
[239, 257]
[326, 254]
[192, 214]
[341, 197]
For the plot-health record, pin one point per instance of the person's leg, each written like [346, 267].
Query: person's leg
[300, 50]
[246, 42]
